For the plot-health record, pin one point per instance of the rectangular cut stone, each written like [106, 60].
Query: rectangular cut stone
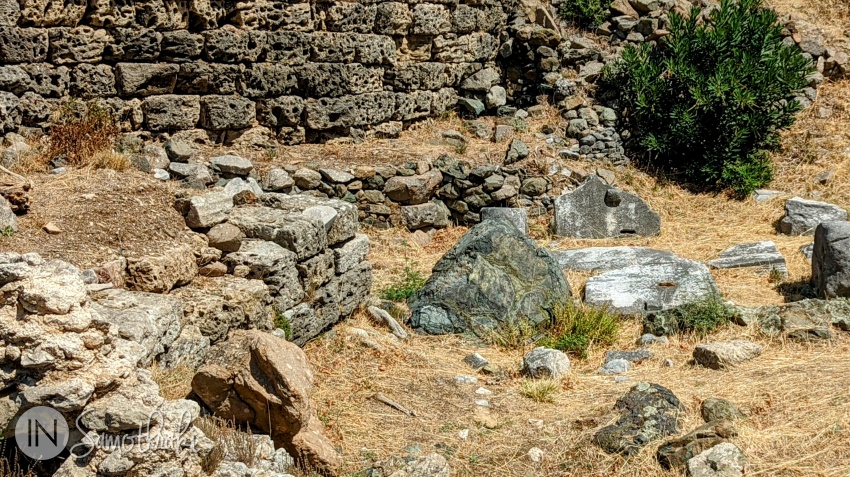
[290, 230]
[23, 45]
[316, 271]
[354, 286]
[347, 111]
[208, 209]
[171, 112]
[351, 253]
[342, 228]
[338, 79]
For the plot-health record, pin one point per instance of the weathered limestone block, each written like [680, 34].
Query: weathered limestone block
[150, 319]
[466, 19]
[291, 48]
[230, 45]
[261, 80]
[466, 48]
[14, 79]
[340, 221]
[133, 44]
[374, 50]
[77, 45]
[417, 76]
[171, 112]
[393, 18]
[349, 255]
[226, 112]
[413, 105]
[160, 273]
[431, 19]
[112, 13]
[10, 112]
[43, 13]
[350, 17]
[282, 111]
[145, 79]
[93, 81]
[275, 16]
[48, 80]
[163, 15]
[316, 271]
[179, 46]
[347, 111]
[10, 12]
[219, 305]
[306, 237]
[199, 77]
[23, 45]
[327, 47]
[36, 111]
[335, 79]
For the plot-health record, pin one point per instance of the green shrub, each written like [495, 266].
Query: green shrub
[585, 13]
[699, 317]
[576, 328]
[281, 322]
[710, 98]
[411, 281]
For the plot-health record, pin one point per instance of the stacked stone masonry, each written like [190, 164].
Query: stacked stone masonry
[292, 67]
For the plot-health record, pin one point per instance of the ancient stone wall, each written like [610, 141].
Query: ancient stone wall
[294, 67]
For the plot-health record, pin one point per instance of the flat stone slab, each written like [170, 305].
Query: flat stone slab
[610, 258]
[726, 354]
[643, 288]
[763, 255]
[597, 210]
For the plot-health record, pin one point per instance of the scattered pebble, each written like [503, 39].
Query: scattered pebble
[476, 361]
[52, 228]
[535, 454]
[483, 392]
[650, 339]
[464, 379]
[464, 434]
[616, 366]
[482, 402]
[668, 363]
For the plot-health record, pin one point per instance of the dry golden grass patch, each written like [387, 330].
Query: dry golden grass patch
[794, 395]
[174, 383]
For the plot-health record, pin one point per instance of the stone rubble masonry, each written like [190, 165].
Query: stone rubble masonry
[236, 65]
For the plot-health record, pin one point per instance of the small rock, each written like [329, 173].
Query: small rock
[649, 339]
[616, 366]
[722, 460]
[762, 195]
[307, 179]
[535, 454]
[725, 354]
[463, 434]
[517, 151]
[178, 151]
[714, 409]
[233, 165]
[483, 392]
[52, 228]
[543, 362]
[483, 418]
[803, 216]
[215, 269]
[472, 106]
[161, 174]
[761, 255]
[464, 379]
[277, 180]
[476, 361]
[225, 237]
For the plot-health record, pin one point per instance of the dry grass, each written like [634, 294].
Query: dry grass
[795, 396]
[174, 383]
[230, 442]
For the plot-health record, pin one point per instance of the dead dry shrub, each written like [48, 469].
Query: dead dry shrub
[229, 441]
[82, 132]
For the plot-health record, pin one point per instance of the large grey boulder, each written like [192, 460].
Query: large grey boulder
[641, 288]
[597, 210]
[603, 259]
[518, 217]
[648, 412]
[803, 216]
[762, 255]
[831, 260]
[493, 276]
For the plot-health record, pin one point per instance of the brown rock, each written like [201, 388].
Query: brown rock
[52, 228]
[258, 378]
[675, 454]
[161, 273]
[225, 237]
[214, 269]
[623, 7]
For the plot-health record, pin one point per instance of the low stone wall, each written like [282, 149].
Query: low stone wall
[307, 250]
[291, 68]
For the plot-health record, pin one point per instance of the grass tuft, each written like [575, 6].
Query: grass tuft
[540, 390]
[81, 133]
[410, 282]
